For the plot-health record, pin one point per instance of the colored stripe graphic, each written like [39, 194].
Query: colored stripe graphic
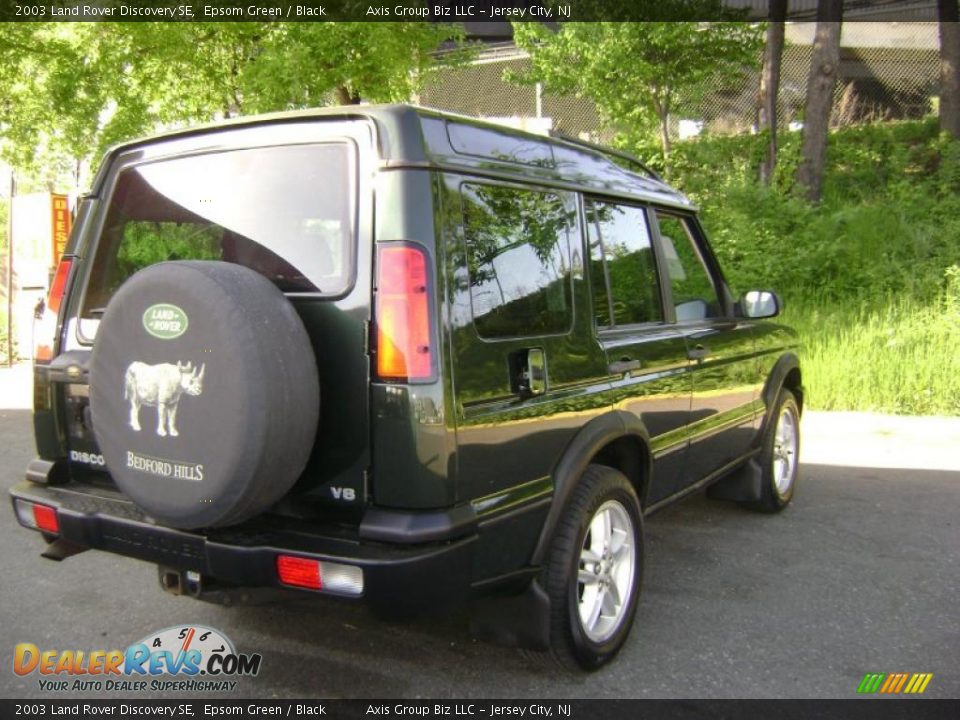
[918, 683]
[895, 683]
[891, 681]
[871, 682]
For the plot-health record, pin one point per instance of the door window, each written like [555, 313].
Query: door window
[694, 293]
[623, 270]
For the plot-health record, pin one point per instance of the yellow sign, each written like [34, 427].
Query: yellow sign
[60, 207]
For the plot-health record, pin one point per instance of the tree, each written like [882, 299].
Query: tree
[302, 63]
[949, 17]
[770, 85]
[636, 73]
[816, 117]
[69, 90]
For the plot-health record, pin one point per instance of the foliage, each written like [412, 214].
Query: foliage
[380, 62]
[870, 277]
[635, 73]
[69, 90]
[148, 243]
[886, 225]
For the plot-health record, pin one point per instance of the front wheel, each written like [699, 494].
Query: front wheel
[594, 570]
[781, 453]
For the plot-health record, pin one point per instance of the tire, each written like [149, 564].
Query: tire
[204, 393]
[580, 634]
[779, 458]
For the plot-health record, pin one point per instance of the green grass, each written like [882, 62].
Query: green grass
[901, 356]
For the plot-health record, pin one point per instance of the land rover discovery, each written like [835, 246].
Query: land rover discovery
[394, 354]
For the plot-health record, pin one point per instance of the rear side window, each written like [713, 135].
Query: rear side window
[623, 270]
[518, 260]
[286, 212]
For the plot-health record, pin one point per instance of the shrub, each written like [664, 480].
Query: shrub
[870, 276]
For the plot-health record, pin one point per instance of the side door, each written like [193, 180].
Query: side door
[646, 356]
[720, 348]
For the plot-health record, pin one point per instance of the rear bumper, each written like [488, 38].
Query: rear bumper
[246, 556]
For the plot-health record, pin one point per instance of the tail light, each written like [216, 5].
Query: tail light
[45, 325]
[299, 572]
[37, 517]
[312, 574]
[404, 334]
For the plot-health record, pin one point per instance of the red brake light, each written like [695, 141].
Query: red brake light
[299, 572]
[46, 518]
[404, 349]
[59, 285]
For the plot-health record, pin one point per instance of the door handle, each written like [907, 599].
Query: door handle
[699, 352]
[528, 373]
[623, 365]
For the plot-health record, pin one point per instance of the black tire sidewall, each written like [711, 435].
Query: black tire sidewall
[600, 485]
[772, 498]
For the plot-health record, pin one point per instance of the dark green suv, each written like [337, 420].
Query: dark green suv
[388, 353]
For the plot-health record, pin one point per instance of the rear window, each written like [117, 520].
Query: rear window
[286, 212]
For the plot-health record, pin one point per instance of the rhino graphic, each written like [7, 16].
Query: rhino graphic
[161, 386]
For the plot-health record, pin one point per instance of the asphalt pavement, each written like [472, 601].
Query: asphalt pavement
[860, 574]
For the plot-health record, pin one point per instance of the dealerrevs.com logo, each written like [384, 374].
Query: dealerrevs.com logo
[180, 658]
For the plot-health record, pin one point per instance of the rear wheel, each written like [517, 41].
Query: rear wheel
[781, 453]
[594, 570]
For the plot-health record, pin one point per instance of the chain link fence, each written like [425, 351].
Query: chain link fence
[888, 71]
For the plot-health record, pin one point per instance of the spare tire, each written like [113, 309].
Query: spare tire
[203, 393]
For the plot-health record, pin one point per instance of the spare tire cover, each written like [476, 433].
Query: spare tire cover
[203, 392]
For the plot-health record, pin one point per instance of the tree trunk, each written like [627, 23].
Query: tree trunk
[947, 12]
[665, 138]
[816, 117]
[661, 105]
[345, 97]
[770, 85]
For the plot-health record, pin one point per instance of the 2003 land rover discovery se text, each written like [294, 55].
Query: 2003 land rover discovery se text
[389, 353]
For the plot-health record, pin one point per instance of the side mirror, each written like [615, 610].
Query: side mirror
[758, 304]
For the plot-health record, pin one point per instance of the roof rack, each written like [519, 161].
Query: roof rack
[633, 159]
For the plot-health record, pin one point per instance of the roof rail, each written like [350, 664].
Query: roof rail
[633, 159]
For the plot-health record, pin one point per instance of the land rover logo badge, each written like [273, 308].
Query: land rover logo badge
[165, 321]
